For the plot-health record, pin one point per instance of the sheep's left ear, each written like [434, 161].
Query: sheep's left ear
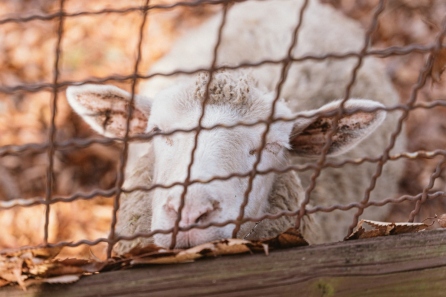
[359, 119]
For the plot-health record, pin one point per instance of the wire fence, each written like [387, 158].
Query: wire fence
[51, 146]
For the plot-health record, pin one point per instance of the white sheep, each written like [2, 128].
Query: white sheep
[254, 31]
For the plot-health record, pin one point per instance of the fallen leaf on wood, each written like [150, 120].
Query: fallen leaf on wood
[289, 238]
[64, 279]
[36, 266]
[211, 249]
[39, 252]
[11, 271]
[384, 229]
[66, 267]
[33, 266]
[375, 229]
[19, 277]
[4, 282]
[143, 251]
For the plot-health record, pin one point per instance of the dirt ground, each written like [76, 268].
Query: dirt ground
[104, 44]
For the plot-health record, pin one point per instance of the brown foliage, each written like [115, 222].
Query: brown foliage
[39, 265]
[105, 44]
[92, 46]
[383, 229]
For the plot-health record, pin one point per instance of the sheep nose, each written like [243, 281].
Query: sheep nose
[194, 211]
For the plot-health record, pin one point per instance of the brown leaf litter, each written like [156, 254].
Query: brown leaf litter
[39, 265]
[371, 229]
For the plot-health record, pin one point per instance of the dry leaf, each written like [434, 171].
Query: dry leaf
[439, 64]
[383, 229]
[211, 249]
[289, 238]
[4, 282]
[31, 266]
[19, 278]
[397, 228]
[145, 250]
[66, 267]
[9, 269]
[38, 252]
[85, 265]
[64, 279]
[182, 257]
[35, 266]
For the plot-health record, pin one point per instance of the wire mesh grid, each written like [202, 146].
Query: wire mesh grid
[51, 145]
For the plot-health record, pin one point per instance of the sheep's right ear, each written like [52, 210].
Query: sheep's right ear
[105, 108]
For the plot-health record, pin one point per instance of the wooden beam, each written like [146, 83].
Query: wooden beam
[403, 265]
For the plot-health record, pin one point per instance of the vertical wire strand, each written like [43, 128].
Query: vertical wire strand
[340, 111]
[199, 126]
[284, 73]
[52, 130]
[124, 153]
[438, 170]
[53, 146]
[434, 176]
[424, 74]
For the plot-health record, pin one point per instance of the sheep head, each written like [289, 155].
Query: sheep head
[220, 147]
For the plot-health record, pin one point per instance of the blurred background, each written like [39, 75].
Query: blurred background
[100, 40]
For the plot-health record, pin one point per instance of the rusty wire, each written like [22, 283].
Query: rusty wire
[52, 145]
[321, 161]
[124, 152]
[52, 132]
[82, 143]
[27, 202]
[283, 75]
[434, 176]
[391, 51]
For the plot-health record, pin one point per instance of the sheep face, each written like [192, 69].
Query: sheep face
[219, 151]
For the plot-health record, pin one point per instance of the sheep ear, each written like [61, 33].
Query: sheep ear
[105, 108]
[360, 118]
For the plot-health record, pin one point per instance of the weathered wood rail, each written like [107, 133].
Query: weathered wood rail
[403, 265]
